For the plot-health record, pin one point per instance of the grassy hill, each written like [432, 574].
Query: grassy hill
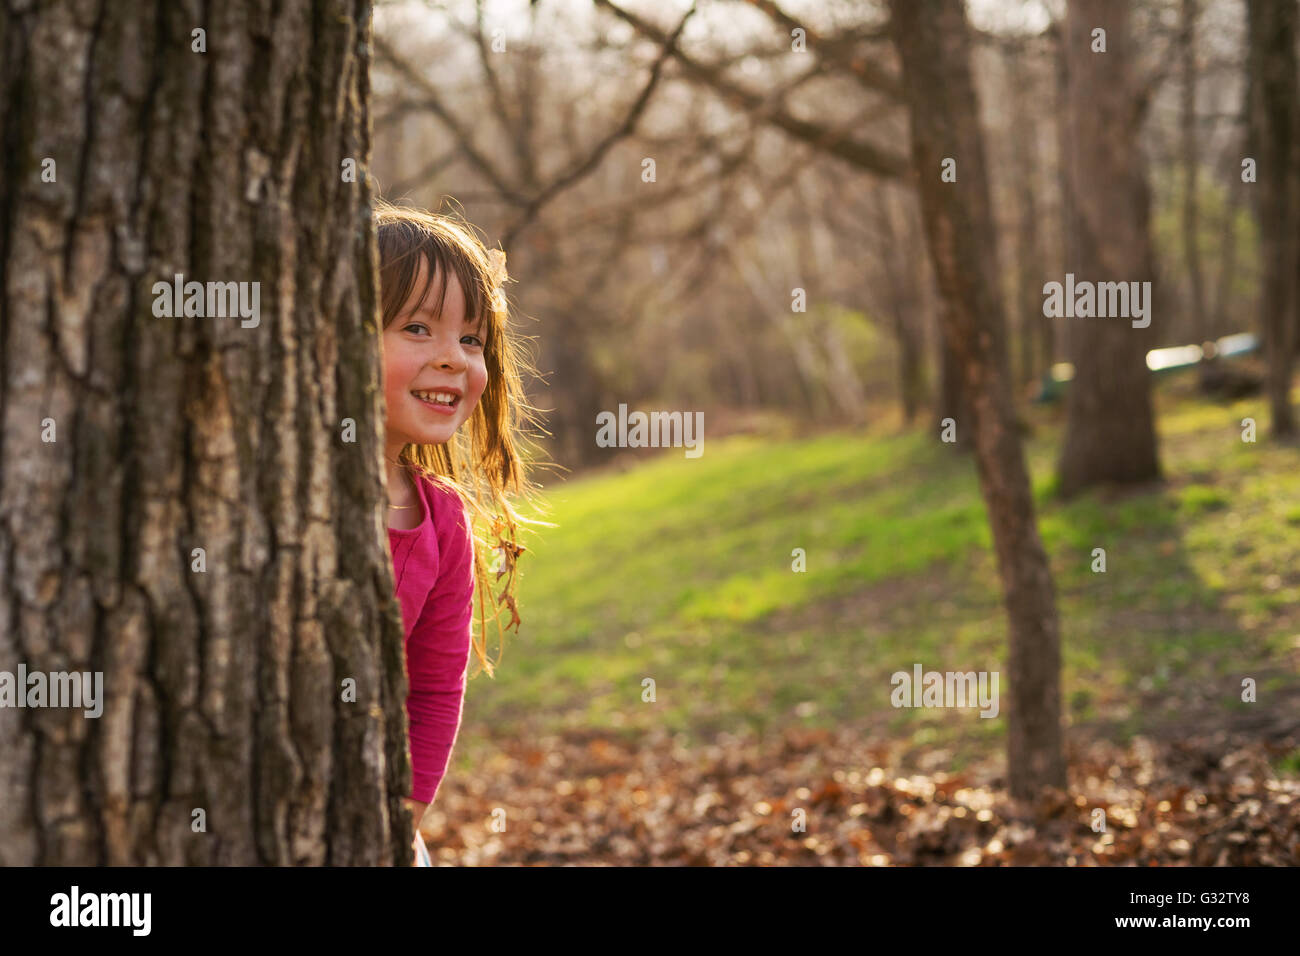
[680, 570]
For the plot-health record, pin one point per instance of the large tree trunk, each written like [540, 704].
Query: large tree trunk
[222, 687]
[1110, 427]
[933, 42]
[1272, 33]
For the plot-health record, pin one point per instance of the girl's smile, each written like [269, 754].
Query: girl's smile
[442, 401]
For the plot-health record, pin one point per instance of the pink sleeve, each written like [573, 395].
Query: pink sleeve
[437, 652]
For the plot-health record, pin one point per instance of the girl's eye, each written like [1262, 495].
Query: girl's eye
[415, 326]
[474, 340]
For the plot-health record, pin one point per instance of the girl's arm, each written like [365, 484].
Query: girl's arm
[437, 654]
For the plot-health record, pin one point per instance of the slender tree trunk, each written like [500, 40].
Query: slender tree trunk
[1033, 325]
[1191, 214]
[1110, 425]
[1272, 38]
[911, 370]
[1295, 213]
[1221, 312]
[919, 283]
[131, 440]
[900, 277]
[1064, 147]
[933, 42]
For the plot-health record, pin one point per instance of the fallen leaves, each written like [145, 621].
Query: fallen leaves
[594, 799]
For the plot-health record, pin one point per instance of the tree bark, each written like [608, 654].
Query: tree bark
[1110, 426]
[222, 687]
[1191, 161]
[901, 276]
[1036, 344]
[1272, 38]
[953, 402]
[1064, 146]
[932, 37]
[1221, 313]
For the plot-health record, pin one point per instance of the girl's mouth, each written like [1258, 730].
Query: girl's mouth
[439, 402]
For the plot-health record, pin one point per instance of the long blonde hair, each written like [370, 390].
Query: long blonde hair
[484, 461]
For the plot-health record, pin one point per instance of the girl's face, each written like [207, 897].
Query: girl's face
[428, 358]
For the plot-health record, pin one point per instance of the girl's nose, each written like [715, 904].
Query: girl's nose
[448, 353]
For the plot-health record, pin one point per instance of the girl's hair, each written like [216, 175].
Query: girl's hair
[483, 462]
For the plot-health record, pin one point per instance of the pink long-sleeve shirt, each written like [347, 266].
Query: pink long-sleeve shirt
[433, 566]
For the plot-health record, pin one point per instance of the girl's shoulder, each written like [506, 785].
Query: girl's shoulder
[447, 509]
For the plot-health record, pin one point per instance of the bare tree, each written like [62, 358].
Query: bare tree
[933, 41]
[856, 53]
[524, 189]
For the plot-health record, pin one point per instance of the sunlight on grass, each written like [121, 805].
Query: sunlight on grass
[680, 570]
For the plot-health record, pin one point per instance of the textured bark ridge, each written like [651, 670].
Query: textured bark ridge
[933, 43]
[223, 688]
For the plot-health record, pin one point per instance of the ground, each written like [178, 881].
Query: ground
[771, 686]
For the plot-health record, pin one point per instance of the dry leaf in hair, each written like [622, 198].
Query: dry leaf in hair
[497, 265]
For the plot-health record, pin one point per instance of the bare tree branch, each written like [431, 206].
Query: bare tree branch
[431, 101]
[840, 49]
[624, 129]
[826, 139]
[530, 200]
[425, 173]
[517, 136]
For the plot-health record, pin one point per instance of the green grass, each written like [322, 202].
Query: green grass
[1289, 765]
[680, 570]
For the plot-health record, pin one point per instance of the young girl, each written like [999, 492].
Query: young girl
[450, 360]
